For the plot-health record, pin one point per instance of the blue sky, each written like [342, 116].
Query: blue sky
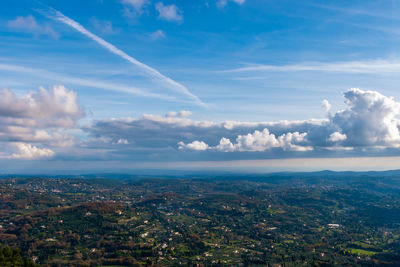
[156, 83]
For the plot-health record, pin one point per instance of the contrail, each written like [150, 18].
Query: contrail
[56, 15]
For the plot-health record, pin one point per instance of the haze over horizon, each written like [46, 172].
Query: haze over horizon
[199, 85]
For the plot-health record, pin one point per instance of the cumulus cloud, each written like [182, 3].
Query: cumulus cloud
[169, 12]
[370, 119]
[257, 141]
[195, 145]
[337, 137]
[29, 24]
[294, 142]
[326, 105]
[225, 145]
[28, 151]
[41, 117]
[44, 108]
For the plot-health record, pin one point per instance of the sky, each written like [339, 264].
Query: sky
[246, 85]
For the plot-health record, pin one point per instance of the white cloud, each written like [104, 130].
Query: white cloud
[180, 114]
[169, 12]
[337, 137]
[44, 108]
[158, 34]
[29, 24]
[293, 142]
[27, 151]
[326, 105]
[122, 141]
[40, 117]
[225, 145]
[134, 7]
[223, 3]
[195, 145]
[258, 141]
[371, 119]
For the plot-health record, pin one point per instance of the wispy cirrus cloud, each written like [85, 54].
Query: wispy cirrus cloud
[361, 11]
[369, 67]
[134, 7]
[105, 27]
[86, 82]
[223, 3]
[153, 73]
[158, 34]
[29, 24]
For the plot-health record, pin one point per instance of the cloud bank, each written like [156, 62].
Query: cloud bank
[40, 123]
[368, 123]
